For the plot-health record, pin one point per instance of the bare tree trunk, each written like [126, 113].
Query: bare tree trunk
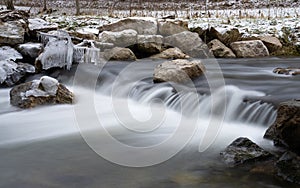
[77, 7]
[10, 4]
[130, 8]
[45, 5]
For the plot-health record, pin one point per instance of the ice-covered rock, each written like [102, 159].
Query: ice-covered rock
[86, 52]
[47, 90]
[189, 43]
[171, 53]
[38, 24]
[30, 50]
[119, 54]
[9, 53]
[143, 26]
[123, 38]
[12, 32]
[220, 50]
[251, 48]
[180, 70]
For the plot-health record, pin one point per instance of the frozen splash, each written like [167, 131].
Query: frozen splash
[86, 52]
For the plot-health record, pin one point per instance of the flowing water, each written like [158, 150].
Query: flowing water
[43, 147]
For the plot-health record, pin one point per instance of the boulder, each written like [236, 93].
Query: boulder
[119, 54]
[47, 90]
[220, 50]
[40, 25]
[272, 43]
[288, 167]
[12, 32]
[149, 44]
[225, 35]
[8, 53]
[86, 33]
[179, 71]
[143, 26]
[167, 28]
[251, 48]
[189, 43]
[287, 71]
[123, 38]
[171, 53]
[243, 150]
[285, 131]
[30, 50]
[11, 72]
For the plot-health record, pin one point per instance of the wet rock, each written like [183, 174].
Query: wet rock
[167, 28]
[225, 35]
[8, 53]
[119, 54]
[143, 26]
[189, 43]
[171, 53]
[40, 25]
[272, 43]
[179, 71]
[47, 90]
[30, 50]
[220, 50]
[287, 71]
[242, 151]
[149, 44]
[288, 167]
[286, 129]
[253, 48]
[123, 38]
[11, 72]
[12, 32]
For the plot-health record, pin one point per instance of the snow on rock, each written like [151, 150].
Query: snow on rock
[8, 53]
[31, 50]
[12, 32]
[121, 38]
[38, 24]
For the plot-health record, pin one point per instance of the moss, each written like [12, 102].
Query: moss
[287, 50]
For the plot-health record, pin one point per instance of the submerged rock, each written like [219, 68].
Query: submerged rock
[189, 43]
[171, 53]
[47, 90]
[288, 167]
[251, 48]
[220, 50]
[8, 53]
[11, 72]
[123, 38]
[30, 50]
[286, 129]
[143, 26]
[242, 151]
[287, 71]
[119, 54]
[179, 71]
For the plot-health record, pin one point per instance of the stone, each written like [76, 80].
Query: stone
[11, 72]
[143, 26]
[8, 53]
[86, 33]
[123, 38]
[288, 167]
[189, 43]
[40, 25]
[149, 44]
[47, 90]
[12, 32]
[225, 35]
[30, 50]
[171, 53]
[287, 71]
[14, 15]
[167, 28]
[249, 49]
[242, 151]
[272, 43]
[119, 54]
[220, 50]
[180, 70]
[285, 131]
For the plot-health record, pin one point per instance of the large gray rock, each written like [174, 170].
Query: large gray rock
[225, 35]
[286, 129]
[119, 54]
[171, 53]
[189, 43]
[179, 71]
[167, 28]
[149, 44]
[121, 39]
[8, 53]
[220, 50]
[243, 150]
[272, 43]
[40, 25]
[30, 50]
[288, 167]
[251, 48]
[47, 90]
[12, 32]
[11, 72]
[143, 26]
